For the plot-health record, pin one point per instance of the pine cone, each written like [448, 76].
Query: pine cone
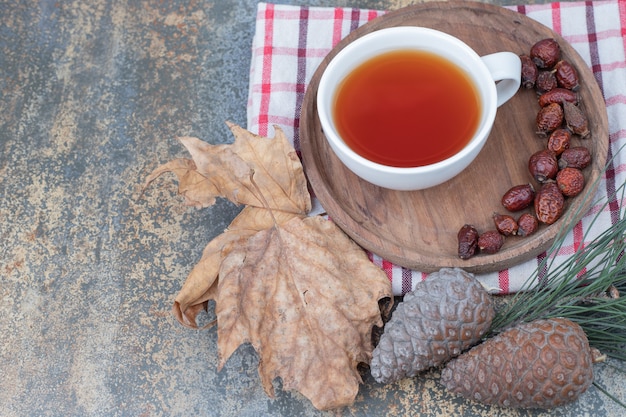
[444, 315]
[541, 364]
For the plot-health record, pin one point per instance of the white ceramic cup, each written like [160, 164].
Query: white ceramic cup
[496, 77]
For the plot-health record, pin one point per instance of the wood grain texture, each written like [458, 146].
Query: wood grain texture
[418, 229]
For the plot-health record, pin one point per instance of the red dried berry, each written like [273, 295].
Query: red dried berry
[566, 75]
[543, 165]
[576, 120]
[518, 197]
[549, 118]
[529, 72]
[545, 53]
[559, 141]
[505, 224]
[527, 224]
[468, 241]
[490, 242]
[558, 95]
[575, 157]
[546, 81]
[549, 203]
[571, 181]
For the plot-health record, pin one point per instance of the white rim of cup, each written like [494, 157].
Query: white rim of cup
[486, 121]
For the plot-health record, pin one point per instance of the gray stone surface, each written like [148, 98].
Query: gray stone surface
[92, 94]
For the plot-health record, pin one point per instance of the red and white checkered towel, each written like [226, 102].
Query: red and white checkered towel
[291, 41]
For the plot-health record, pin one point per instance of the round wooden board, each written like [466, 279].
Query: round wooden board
[418, 229]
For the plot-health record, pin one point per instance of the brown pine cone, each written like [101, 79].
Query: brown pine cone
[541, 364]
[439, 319]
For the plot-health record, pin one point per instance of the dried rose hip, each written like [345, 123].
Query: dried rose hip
[575, 119]
[557, 95]
[559, 141]
[549, 203]
[490, 241]
[566, 75]
[575, 157]
[505, 224]
[543, 165]
[571, 181]
[529, 72]
[549, 118]
[546, 81]
[518, 197]
[545, 53]
[527, 224]
[468, 241]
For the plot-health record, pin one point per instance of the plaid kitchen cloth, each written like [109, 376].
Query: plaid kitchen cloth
[291, 41]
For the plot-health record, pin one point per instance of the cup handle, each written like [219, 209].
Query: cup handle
[506, 70]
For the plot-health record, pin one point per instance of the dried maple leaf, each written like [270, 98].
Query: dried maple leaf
[295, 287]
[201, 284]
[262, 173]
[240, 171]
[195, 187]
[306, 297]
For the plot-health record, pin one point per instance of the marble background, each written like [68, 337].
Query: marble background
[92, 95]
